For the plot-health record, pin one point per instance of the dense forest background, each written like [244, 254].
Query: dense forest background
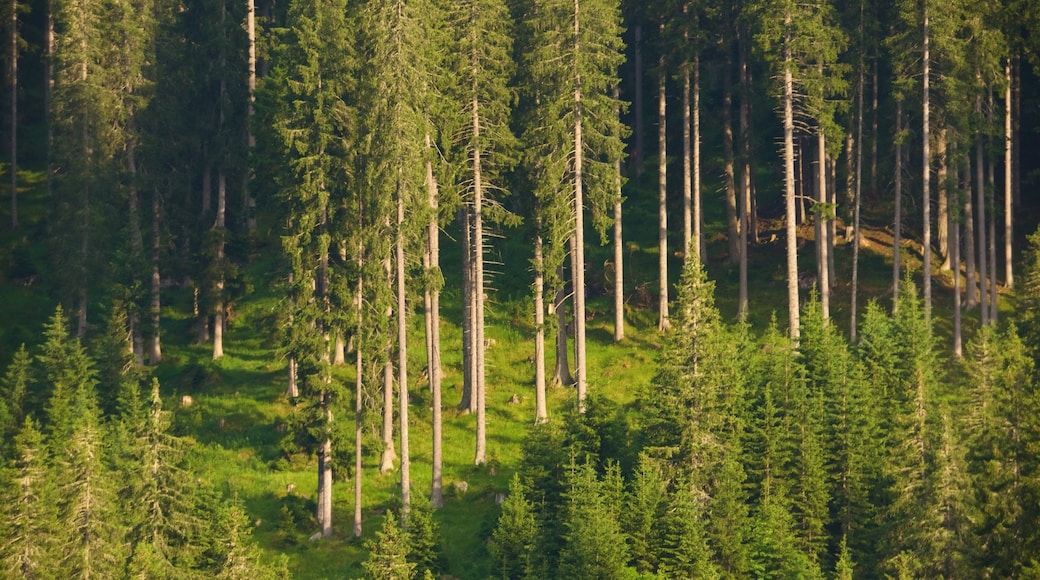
[692, 289]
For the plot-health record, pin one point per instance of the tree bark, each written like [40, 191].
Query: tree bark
[433, 323]
[13, 77]
[823, 226]
[638, 131]
[789, 200]
[991, 239]
[857, 202]
[897, 220]
[219, 225]
[562, 371]
[1009, 280]
[480, 454]
[942, 222]
[729, 178]
[980, 216]
[247, 198]
[955, 259]
[926, 176]
[663, 323]
[698, 218]
[540, 413]
[968, 241]
[687, 176]
[578, 239]
[469, 401]
[388, 455]
[619, 254]
[402, 355]
[359, 386]
[745, 177]
[155, 351]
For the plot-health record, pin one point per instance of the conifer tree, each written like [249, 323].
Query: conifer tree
[686, 552]
[29, 512]
[594, 545]
[388, 553]
[646, 500]
[14, 390]
[241, 559]
[513, 541]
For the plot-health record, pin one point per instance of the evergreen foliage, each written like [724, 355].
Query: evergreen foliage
[388, 553]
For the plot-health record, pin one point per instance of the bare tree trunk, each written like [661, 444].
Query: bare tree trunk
[402, 354]
[13, 78]
[218, 316]
[137, 251]
[619, 253]
[339, 349]
[562, 372]
[480, 454]
[469, 349]
[897, 220]
[388, 455]
[638, 132]
[980, 208]
[801, 182]
[745, 178]
[687, 164]
[292, 390]
[155, 353]
[663, 323]
[540, 413]
[359, 386]
[823, 219]
[433, 323]
[955, 258]
[248, 202]
[991, 240]
[942, 222]
[857, 202]
[698, 218]
[792, 232]
[729, 178]
[968, 241]
[926, 175]
[1009, 280]
[578, 239]
[325, 482]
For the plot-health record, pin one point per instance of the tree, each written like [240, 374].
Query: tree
[574, 135]
[594, 545]
[29, 510]
[513, 541]
[388, 553]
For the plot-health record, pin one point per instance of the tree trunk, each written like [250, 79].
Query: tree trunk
[247, 198]
[339, 349]
[155, 352]
[942, 222]
[540, 413]
[745, 177]
[663, 323]
[980, 216]
[823, 219]
[434, 332]
[562, 372]
[687, 164]
[469, 401]
[480, 454]
[325, 483]
[292, 391]
[13, 125]
[218, 316]
[578, 239]
[856, 203]
[48, 95]
[698, 218]
[789, 201]
[729, 178]
[639, 131]
[968, 241]
[897, 220]
[359, 386]
[926, 176]
[402, 354]
[619, 253]
[955, 259]
[991, 239]
[1009, 280]
[388, 455]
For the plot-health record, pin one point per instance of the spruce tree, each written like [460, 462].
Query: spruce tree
[29, 514]
[388, 553]
[516, 533]
[594, 545]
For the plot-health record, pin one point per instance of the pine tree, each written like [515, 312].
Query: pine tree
[646, 501]
[14, 390]
[513, 541]
[388, 553]
[594, 545]
[29, 513]
[686, 552]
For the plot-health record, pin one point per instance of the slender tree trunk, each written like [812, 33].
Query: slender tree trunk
[339, 349]
[136, 249]
[247, 198]
[801, 183]
[359, 386]
[1009, 280]
[941, 221]
[218, 316]
[745, 177]
[480, 454]
[469, 400]
[926, 175]
[155, 352]
[663, 323]
[980, 216]
[857, 203]
[578, 239]
[325, 484]
[619, 253]
[639, 131]
[433, 322]
[13, 75]
[402, 355]
[991, 239]
[562, 372]
[968, 241]
[792, 232]
[897, 223]
[687, 164]
[822, 227]
[292, 391]
[832, 222]
[388, 455]
[698, 218]
[955, 258]
[540, 413]
[48, 95]
[729, 178]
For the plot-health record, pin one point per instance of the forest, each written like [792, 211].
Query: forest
[693, 289]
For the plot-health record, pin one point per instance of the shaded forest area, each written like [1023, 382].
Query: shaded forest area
[247, 212]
